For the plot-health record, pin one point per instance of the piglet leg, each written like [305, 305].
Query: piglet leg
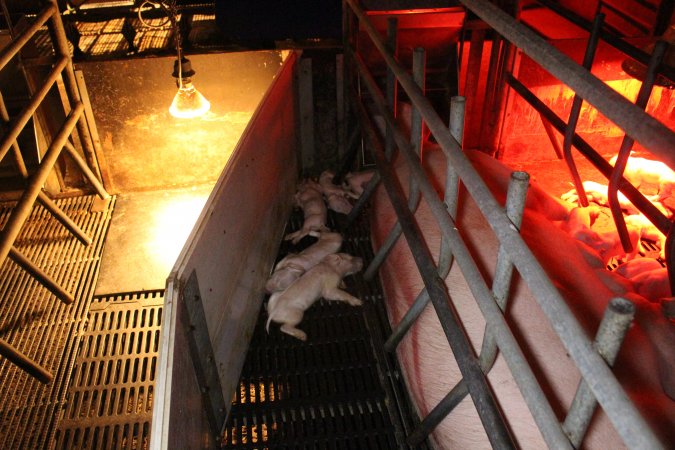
[295, 332]
[340, 295]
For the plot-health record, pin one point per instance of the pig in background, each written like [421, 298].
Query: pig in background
[426, 358]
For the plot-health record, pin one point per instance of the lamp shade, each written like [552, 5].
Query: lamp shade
[188, 102]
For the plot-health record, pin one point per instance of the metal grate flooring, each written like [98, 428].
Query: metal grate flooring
[109, 401]
[337, 390]
[38, 324]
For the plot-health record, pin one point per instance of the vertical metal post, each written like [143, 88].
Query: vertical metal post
[613, 328]
[515, 204]
[626, 145]
[24, 206]
[576, 109]
[61, 48]
[392, 84]
[490, 93]
[416, 143]
[457, 110]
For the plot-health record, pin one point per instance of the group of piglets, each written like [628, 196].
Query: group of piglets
[655, 180]
[299, 280]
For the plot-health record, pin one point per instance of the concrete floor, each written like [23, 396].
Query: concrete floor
[163, 169]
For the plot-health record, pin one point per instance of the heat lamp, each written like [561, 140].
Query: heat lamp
[188, 102]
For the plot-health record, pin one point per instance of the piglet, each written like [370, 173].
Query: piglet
[356, 181]
[328, 188]
[597, 193]
[293, 266]
[309, 198]
[653, 284]
[323, 280]
[338, 204]
[634, 267]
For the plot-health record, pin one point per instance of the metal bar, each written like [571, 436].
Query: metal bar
[18, 158]
[646, 130]
[63, 218]
[40, 276]
[550, 132]
[392, 85]
[23, 208]
[571, 128]
[636, 198]
[19, 41]
[24, 363]
[363, 199]
[70, 81]
[101, 163]
[413, 191]
[626, 145]
[348, 155]
[42, 197]
[621, 412]
[490, 92]
[86, 171]
[26, 113]
[613, 328]
[611, 38]
[471, 83]
[515, 204]
[202, 355]
[451, 193]
[481, 394]
[541, 410]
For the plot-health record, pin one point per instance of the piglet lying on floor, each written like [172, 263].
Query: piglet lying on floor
[323, 280]
[310, 199]
[357, 181]
[293, 266]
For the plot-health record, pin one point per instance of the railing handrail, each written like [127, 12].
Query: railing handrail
[622, 412]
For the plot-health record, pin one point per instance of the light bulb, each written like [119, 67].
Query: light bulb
[188, 102]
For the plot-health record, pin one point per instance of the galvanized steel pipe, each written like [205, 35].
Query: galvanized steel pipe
[27, 112]
[611, 333]
[479, 389]
[23, 208]
[24, 363]
[22, 39]
[631, 426]
[645, 129]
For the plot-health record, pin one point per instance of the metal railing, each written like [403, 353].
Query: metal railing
[598, 382]
[75, 120]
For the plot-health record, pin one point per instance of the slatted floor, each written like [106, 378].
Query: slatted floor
[109, 401]
[337, 390]
[39, 325]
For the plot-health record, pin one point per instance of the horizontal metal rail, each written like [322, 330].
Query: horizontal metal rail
[655, 216]
[23, 208]
[20, 121]
[622, 413]
[611, 38]
[642, 127]
[74, 119]
[527, 382]
[25, 363]
[22, 39]
[468, 363]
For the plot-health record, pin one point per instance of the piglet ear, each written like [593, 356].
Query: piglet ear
[333, 257]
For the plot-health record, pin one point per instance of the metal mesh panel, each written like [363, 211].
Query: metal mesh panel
[337, 390]
[109, 401]
[39, 325]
